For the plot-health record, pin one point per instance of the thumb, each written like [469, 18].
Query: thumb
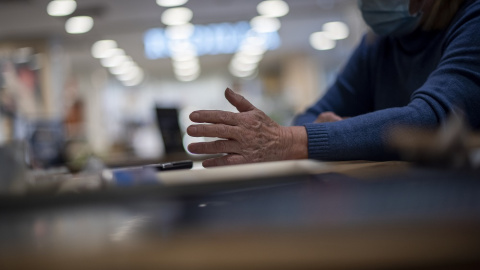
[241, 103]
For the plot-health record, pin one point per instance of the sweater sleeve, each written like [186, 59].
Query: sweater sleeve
[350, 95]
[454, 83]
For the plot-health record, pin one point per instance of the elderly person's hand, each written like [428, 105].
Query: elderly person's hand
[246, 137]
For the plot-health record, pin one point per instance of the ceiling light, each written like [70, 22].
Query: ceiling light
[113, 52]
[188, 78]
[243, 67]
[79, 24]
[182, 47]
[123, 68]
[273, 8]
[249, 49]
[188, 56]
[256, 40]
[261, 24]
[118, 60]
[171, 3]
[247, 59]
[242, 74]
[187, 72]
[136, 80]
[177, 16]
[61, 7]
[186, 64]
[185, 52]
[320, 41]
[112, 59]
[183, 31]
[101, 48]
[336, 30]
[132, 74]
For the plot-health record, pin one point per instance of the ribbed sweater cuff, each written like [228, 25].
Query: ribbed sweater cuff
[318, 143]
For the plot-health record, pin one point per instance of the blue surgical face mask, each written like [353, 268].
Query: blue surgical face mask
[389, 17]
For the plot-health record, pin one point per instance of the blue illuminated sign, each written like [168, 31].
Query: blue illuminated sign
[212, 39]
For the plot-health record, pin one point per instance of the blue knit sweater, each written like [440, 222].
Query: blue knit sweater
[412, 80]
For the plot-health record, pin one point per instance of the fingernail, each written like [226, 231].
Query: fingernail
[194, 116]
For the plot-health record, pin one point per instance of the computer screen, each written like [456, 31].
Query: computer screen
[167, 121]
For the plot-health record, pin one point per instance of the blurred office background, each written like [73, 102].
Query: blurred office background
[96, 70]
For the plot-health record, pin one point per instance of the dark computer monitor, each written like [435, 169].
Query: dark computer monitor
[46, 141]
[168, 123]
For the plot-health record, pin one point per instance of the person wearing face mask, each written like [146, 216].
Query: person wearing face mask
[420, 60]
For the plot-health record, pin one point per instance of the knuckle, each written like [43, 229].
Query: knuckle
[230, 160]
[259, 114]
[222, 131]
[249, 138]
[200, 147]
[214, 115]
[223, 162]
[198, 129]
[203, 116]
[221, 146]
[242, 99]
[202, 129]
[249, 121]
[224, 117]
[219, 162]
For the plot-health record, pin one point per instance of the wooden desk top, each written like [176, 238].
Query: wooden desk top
[322, 216]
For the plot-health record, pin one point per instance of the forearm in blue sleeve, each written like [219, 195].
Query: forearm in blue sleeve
[364, 137]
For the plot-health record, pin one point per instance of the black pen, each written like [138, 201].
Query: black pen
[141, 175]
[177, 165]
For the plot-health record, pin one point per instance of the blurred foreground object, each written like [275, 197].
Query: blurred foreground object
[46, 142]
[393, 217]
[13, 170]
[453, 145]
[77, 154]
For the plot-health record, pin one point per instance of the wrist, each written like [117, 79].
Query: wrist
[295, 143]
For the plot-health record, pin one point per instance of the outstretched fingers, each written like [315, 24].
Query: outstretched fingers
[214, 117]
[214, 131]
[216, 147]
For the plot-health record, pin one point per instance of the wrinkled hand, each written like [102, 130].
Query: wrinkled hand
[247, 137]
[328, 117]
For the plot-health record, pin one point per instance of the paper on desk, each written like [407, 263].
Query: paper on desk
[257, 171]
